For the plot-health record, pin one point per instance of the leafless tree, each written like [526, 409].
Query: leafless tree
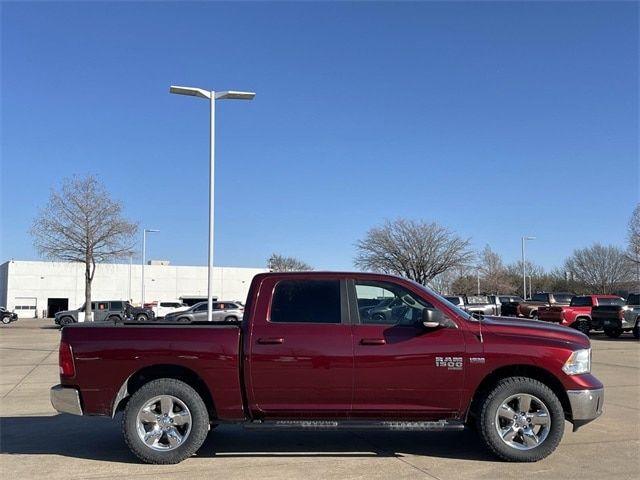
[416, 250]
[280, 263]
[494, 274]
[81, 223]
[601, 268]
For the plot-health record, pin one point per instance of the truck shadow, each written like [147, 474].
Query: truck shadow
[97, 438]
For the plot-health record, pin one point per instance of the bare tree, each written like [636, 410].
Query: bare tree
[416, 250]
[494, 273]
[81, 223]
[280, 263]
[601, 268]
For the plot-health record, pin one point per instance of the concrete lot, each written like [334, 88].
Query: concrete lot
[36, 442]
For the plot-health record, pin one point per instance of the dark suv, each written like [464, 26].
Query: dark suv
[110, 310]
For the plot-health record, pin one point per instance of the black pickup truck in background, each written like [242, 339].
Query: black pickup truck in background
[616, 319]
[508, 304]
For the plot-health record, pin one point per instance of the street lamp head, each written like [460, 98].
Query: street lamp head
[151, 230]
[529, 238]
[235, 95]
[191, 91]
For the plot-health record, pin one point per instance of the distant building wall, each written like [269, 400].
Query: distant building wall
[29, 287]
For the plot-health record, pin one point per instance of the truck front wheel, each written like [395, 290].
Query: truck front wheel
[521, 420]
[165, 422]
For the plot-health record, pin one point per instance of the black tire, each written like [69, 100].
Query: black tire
[142, 317]
[66, 321]
[488, 418]
[534, 315]
[6, 320]
[614, 332]
[636, 330]
[583, 325]
[199, 426]
[113, 318]
[231, 319]
[184, 319]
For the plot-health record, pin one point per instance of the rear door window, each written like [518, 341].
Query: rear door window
[116, 306]
[306, 301]
[581, 302]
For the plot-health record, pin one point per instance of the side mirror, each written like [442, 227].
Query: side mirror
[432, 318]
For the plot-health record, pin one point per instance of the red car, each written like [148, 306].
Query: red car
[312, 352]
[578, 313]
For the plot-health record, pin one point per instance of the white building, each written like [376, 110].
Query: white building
[43, 288]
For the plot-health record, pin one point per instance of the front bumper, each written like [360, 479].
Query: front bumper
[586, 406]
[65, 399]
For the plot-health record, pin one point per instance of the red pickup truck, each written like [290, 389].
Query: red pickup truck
[332, 351]
[578, 313]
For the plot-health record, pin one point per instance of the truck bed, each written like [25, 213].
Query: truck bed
[106, 361]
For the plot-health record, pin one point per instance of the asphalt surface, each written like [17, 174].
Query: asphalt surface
[37, 442]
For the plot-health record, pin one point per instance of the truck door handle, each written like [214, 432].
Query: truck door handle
[373, 341]
[271, 341]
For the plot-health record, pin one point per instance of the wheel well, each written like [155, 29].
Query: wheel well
[529, 371]
[154, 372]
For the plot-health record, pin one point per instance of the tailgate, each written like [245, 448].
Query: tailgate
[606, 316]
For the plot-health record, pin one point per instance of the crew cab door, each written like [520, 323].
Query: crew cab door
[300, 350]
[402, 369]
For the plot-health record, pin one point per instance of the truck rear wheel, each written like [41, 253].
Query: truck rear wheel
[636, 330]
[165, 422]
[583, 325]
[521, 420]
[613, 332]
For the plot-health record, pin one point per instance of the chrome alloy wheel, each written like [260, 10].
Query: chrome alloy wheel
[523, 421]
[164, 423]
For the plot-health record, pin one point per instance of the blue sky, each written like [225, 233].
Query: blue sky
[496, 120]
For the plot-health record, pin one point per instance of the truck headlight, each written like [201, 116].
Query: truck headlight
[578, 362]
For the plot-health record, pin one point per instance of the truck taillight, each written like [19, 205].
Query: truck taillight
[65, 360]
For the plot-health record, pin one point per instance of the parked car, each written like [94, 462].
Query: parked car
[529, 308]
[478, 304]
[305, 358]
[222, 312]
[162, 308]
[7, 317]
[616, 319]
[578, 313]
[110, 310]
[509, 305]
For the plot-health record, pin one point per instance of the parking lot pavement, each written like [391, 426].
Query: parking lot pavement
[35, 441]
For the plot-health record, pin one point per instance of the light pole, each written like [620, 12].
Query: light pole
[524, 267]
[478, 272]
[212, 96]
[144, 253]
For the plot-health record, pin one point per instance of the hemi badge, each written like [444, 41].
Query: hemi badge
[476, 359]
